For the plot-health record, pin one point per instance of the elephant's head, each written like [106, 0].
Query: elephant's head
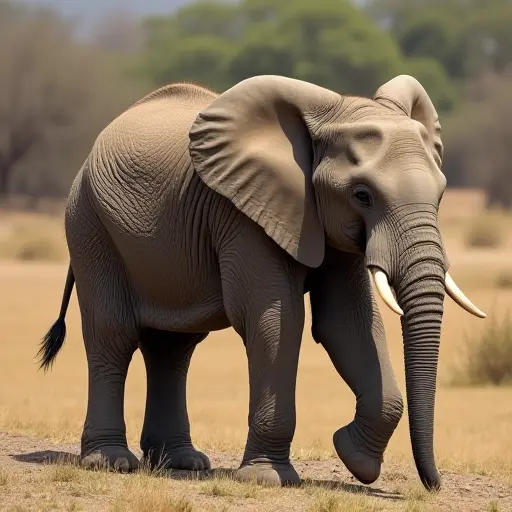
[312, 168]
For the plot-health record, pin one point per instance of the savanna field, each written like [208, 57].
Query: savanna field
[41, 415]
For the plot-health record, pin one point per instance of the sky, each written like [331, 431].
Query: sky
[89, 11]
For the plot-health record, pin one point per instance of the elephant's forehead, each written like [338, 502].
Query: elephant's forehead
[403, 147]
[362, 111]
[405, 136]
[382, 139]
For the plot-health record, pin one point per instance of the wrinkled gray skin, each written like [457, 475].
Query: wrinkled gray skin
[195, 212]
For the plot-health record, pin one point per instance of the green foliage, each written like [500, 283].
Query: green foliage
[434, 79]
[328, 42]
[465, 36]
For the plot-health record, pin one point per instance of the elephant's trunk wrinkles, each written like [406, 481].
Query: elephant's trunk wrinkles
[416, 269]
[421, 297]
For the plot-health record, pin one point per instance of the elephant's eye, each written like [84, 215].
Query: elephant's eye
[363, 197]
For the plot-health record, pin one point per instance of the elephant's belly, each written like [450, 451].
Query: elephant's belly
[180, 297]
[201, 317]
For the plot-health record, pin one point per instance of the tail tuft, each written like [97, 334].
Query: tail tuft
[52, 343]
[54, 338]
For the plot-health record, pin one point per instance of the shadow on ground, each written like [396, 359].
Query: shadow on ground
[67, 458]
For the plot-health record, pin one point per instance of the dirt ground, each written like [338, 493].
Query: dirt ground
[30, 484]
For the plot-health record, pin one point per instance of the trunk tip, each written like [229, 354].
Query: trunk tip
[431, 479]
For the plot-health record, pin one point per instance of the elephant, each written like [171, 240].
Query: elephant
[198, 211]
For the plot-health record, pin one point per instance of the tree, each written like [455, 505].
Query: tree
[194, 44]
[330, 42]
[54, 94]
[465, 36]
[436, 82]
[478, 152]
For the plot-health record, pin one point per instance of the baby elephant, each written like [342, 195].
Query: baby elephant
[195, 212]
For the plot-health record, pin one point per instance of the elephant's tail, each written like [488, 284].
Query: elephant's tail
[54, 338]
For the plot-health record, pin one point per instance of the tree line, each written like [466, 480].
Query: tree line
[57, 91]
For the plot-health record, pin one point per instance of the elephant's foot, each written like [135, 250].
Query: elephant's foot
[268, 473]
[185, 458]
[111, 457]
[364, 467]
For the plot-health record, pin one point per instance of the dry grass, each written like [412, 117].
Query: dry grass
[67, 487]
[466, 224]
[31, 237]
[504, 280]
[487, 356]
[4, 477]
[472, 432]
[487, 231]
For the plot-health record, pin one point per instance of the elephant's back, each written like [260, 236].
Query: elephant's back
[140, 161]
[181, 93]
[160, 119]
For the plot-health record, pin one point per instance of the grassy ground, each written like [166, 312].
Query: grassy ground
[472, 430]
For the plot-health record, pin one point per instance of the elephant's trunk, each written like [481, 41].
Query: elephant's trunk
[421, 294]
[415, 264]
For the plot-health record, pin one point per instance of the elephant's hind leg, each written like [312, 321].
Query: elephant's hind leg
[110, 335]
[109, 350]
[165, 439]
[111, 338]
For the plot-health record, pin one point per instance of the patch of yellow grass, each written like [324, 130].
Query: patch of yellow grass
[226, 486]
[489, 230]
[142, 494]
[4, 477]
[30, 237]
[67, 487]
[504, 279]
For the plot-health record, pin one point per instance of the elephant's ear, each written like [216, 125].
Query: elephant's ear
[252, 145]
[405, 94]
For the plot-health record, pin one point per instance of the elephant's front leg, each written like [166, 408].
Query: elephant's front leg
[165, 439]
[265, 303]
[346, 321]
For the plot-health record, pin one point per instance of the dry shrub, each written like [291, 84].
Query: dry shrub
[504, 280]
[34, 240]
[486, 231]
[488, 355]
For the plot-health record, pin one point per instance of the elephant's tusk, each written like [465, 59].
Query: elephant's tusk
[456, 294]
[381, 282]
